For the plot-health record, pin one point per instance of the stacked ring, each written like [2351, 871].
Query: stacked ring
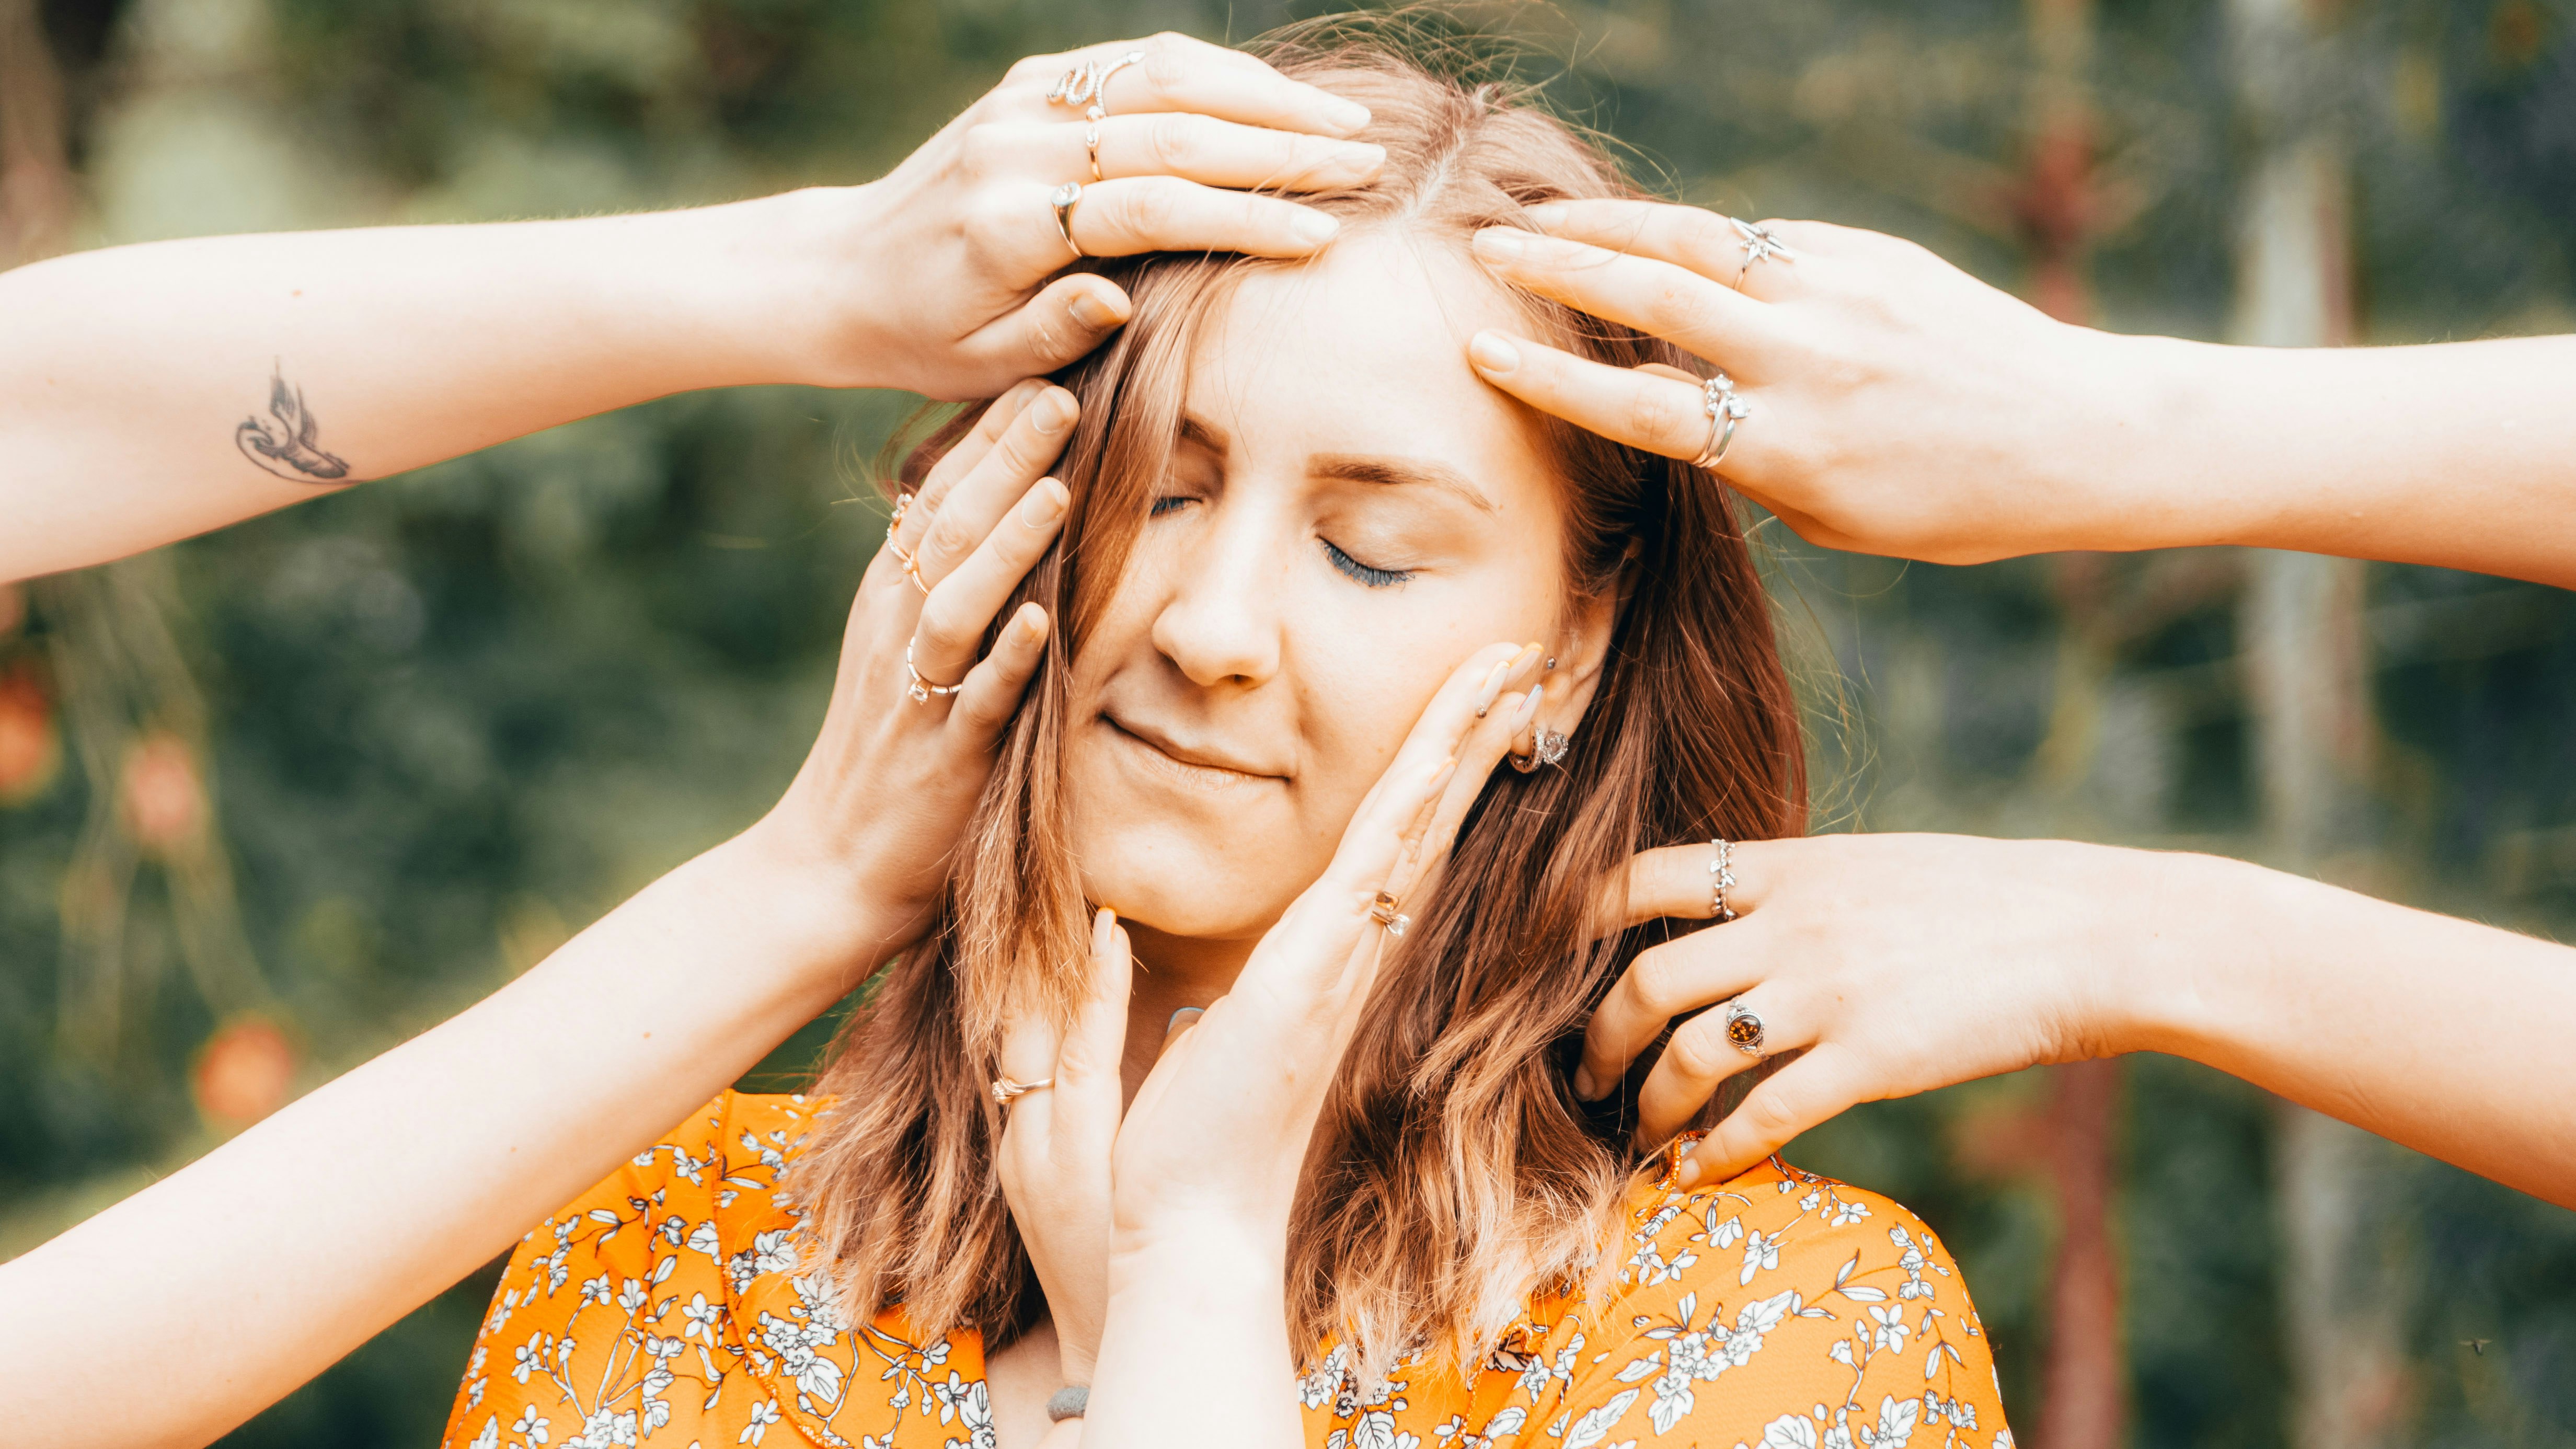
[1006, 1091]
[1725, 410]
[1721, 879]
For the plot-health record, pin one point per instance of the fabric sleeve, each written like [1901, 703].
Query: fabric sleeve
[1784, 1312]
[610, 1309]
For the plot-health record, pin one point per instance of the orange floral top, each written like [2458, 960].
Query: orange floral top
[1780, 1310]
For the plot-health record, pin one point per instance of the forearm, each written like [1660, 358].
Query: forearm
[136, 383]
[2444, 1035]
[2460, 455]
[364, 1199]
[1195, 1349]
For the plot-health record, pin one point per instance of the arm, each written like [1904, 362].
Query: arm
[149, 393]
[265, 1261]
[1901, 963]
[1899, 406]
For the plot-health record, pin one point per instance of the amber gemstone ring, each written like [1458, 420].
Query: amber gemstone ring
[1743, 1029]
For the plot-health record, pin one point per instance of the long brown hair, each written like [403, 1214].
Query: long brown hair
[1452, 1169]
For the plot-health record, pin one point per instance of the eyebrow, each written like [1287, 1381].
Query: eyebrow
[1419, 472]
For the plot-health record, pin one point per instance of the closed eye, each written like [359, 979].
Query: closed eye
[1375, 578]
[1167, 503]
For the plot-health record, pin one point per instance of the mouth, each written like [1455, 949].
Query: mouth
[1195, 767]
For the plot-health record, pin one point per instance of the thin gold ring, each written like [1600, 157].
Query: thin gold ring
[1064, 199]
[912, 571]
[919, 690]
[1091, 143]
[1006, 1091]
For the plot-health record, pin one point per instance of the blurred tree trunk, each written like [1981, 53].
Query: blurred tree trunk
[36, 199]
[2308, 686]
[2083, 1388]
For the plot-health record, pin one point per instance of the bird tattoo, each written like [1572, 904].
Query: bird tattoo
[290, 448]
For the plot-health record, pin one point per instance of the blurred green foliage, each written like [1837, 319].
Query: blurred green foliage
[458, 715]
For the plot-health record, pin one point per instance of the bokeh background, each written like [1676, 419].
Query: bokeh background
[274, 800]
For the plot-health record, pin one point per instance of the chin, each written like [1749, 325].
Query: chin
[1179, 882]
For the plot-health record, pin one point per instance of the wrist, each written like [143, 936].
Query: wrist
[1221, 1257]
[827, 931]
[2207, 917]
[824, 311]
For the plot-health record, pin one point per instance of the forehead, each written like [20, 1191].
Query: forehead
[1363, 351]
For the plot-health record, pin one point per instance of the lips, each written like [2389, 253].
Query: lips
[1213, 764]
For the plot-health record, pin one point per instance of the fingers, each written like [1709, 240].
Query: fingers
[1699, 1058]
[1178, 73]
[965, 514]
[1663, 982]
[1178, 1027]
[1210, 152]
[1498, 718]
[1675, 882]
[1804, 1093]
[1635, 407]
[1074, 314]
[983, 705]
[1088, 1064]
[960, 459]
[1686, 236]
[962, 605]
[1657, 297]
[1166, 214]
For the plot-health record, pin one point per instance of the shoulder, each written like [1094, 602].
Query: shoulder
[1851, 1303]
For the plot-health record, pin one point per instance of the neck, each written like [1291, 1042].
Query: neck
[1172, 972]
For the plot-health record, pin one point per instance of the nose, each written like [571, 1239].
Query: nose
[1220, 617]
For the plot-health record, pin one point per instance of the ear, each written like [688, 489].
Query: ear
[1580, 645]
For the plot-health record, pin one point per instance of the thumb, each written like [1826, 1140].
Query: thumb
[1073, 315]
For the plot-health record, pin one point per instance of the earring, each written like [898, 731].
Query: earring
[1551, 661]
[1547, 749]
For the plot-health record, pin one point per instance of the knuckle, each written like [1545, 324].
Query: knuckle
[1769, 1113]
[1693, 1051]
[1670, 306]
[1166, 63]
[1653, 415]
[1653, 980]
[1177, 141]
[1151, 209]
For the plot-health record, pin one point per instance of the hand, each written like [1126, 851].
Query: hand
[880, 801]
[1893, 963]
[1218, 1131]
[1898, 405]
[1056, 1143]
[941, 256]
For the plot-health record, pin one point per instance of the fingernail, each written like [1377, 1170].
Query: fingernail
[1583, 1085]
[1313, 227]
[1360, 159]
[1529, 709]
[1175, 1023]
[1345, 116]
[1501, 243]
[1440, 781]
[1545, 214]
[1091, 314]
[1490, 352]
[1688, 1174]
[1054, 412]
[1044, 505]
[1492, 688]
[1033, 621]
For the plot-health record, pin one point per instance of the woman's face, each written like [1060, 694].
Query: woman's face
[1350, 513]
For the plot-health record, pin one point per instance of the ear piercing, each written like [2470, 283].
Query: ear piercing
[1548, 747]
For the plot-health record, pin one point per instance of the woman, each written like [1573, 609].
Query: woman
[1290, 520]
[1897, 406]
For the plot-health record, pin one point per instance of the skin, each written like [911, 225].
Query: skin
[126, 374]
[1901, 407]
[122, 380]
[1254, 734]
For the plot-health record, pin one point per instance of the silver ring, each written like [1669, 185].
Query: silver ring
[1064, 200]
[1743, 1029]
[1725, 410]
[920, 690]
[1384, 912]
[1083, 85]
[1760, 244]
[1721, 879]
[1006, 1091]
